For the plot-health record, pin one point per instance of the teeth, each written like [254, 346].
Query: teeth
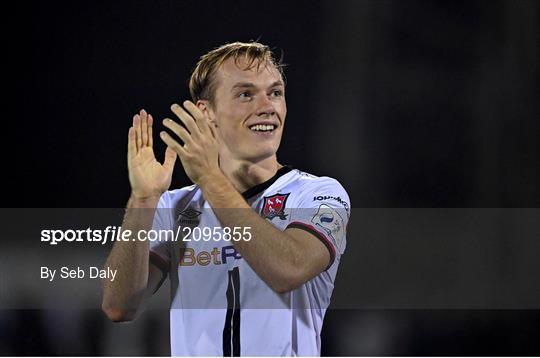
[262, 127]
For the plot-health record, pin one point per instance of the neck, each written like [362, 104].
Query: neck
[245, 174]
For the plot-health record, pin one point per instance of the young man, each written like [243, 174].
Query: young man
[253, 268]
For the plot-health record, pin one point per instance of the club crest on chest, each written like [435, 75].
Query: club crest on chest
[274, 206]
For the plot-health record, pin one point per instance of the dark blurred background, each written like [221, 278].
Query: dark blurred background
[410, 104]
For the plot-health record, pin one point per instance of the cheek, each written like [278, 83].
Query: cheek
[228, 124]
[282, 108]
[232, 118]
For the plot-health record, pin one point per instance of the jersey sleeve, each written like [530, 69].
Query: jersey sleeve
[160, 255]
[323, 209]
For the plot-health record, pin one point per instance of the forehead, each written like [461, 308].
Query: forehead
[232, 72]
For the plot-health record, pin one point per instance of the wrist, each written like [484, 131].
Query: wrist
[220, 193]
[143, 202]
[215, 185]
[212, 180]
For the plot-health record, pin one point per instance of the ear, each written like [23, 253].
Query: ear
[205, 107]
[202, 105]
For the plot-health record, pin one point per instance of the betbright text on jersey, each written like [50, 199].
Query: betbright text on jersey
[219, 305]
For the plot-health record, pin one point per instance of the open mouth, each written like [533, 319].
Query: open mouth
[262, 128]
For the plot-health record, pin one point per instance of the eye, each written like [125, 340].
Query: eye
[277, 93]
[244, 95]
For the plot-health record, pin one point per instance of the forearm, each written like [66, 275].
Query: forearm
[271, 253]
[130, 259]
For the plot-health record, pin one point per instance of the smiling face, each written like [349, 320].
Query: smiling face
[249, 110]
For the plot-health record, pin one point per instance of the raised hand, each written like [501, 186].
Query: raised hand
[148, 178]
[199, 153]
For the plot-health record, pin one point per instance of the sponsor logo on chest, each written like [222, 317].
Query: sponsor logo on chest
[188, 216]
[217, 256]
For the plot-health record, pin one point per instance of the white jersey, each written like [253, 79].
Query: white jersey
[219, 305]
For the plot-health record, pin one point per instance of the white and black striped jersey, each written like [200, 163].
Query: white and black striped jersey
[219, 305]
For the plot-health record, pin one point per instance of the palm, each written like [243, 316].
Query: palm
[147, 176]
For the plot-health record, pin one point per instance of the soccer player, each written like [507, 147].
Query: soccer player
[255, 272]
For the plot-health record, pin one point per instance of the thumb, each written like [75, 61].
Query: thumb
[170, 158]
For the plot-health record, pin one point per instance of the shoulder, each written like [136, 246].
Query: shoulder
[312, 188]
[311, 183]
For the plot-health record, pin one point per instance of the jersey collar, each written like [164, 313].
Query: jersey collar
[259, 188]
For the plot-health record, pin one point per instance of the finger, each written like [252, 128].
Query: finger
[150, 134]
[144, 127]
[170, 158]
[137, 125]
[172, 144]
[187, 119]
[198, 115]
[180, 131]
[132, 146]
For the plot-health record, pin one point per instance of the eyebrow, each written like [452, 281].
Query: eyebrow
[251, 85]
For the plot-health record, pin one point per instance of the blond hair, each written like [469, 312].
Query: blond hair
[202, 83]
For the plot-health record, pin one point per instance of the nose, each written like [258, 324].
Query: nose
[265, 107]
